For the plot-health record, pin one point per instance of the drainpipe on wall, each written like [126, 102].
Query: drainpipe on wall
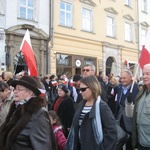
[49, 45]
[139, 32]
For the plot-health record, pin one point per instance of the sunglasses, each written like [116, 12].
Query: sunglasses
[87, 70]
[83, 89]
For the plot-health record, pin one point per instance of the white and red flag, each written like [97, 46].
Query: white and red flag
[145, 53]
[54, 83]
[28, 53]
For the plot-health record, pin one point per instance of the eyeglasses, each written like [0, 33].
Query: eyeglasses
[17, 89]
[87, 70]
[83, 89]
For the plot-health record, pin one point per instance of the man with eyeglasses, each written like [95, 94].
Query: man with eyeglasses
[6, 98]
[90, 69]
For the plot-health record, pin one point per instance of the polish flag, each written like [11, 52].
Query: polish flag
[145, 53]
[54, 83]
[71, 82]
[28, 53]
[42, 92]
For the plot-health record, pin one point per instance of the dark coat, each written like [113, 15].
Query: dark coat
[86, 130]
[65, 112]
[111, 97]
[27, 127]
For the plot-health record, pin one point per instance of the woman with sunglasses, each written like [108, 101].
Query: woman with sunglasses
[93, 126]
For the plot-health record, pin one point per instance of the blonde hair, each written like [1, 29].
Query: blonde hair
[8, 75]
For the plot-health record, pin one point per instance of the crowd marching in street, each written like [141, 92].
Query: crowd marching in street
[82, 112]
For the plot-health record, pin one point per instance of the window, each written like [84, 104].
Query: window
[111, 31]
[26, 9]
[128, 3]
[128, 32]
[1, 6]
[143, 35]
[65, 14]
[144, 5]
[87, 20]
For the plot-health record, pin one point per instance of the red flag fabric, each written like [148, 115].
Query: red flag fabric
[28, 53]
[145, 53]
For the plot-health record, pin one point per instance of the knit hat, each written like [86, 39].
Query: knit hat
[28, 82]
[63, 87]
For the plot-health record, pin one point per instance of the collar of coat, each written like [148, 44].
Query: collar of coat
[17, 119]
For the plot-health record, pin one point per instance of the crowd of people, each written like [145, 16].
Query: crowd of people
[57, 112]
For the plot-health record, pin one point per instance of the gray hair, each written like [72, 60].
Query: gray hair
[128, 72]
[92, 66]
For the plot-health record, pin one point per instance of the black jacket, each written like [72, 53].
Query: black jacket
[65, 112]
[86, 130]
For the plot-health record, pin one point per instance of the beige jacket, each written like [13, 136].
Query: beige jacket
[5, 107]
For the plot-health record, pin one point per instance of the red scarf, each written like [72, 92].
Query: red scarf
[57, 103]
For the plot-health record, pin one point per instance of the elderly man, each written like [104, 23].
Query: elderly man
[141, 116]
[6, 96]
[122, 95]
[89, 69]
[27, 125]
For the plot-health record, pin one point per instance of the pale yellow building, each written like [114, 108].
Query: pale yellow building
[93, 31]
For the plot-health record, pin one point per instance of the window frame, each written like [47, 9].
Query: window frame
[143, 36]
[85, 28]
[27, 8]
[113, 26]
[144, 6]
[128, 36]
[128, 3]
[2, 7]
[65, 11]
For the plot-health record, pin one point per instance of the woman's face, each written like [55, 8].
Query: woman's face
[86, 92]
[61, 93]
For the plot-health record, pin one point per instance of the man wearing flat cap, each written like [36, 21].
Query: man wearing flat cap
[27, 125]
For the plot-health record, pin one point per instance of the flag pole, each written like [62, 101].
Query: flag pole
[135, 75]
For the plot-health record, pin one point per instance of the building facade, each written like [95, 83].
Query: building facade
[91, 31]
[67, 34]
[15, 18]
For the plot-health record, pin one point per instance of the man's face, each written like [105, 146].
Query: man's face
[105, 79]
[126, 79]
[146, 75]
[77, 84]
[87, 71]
